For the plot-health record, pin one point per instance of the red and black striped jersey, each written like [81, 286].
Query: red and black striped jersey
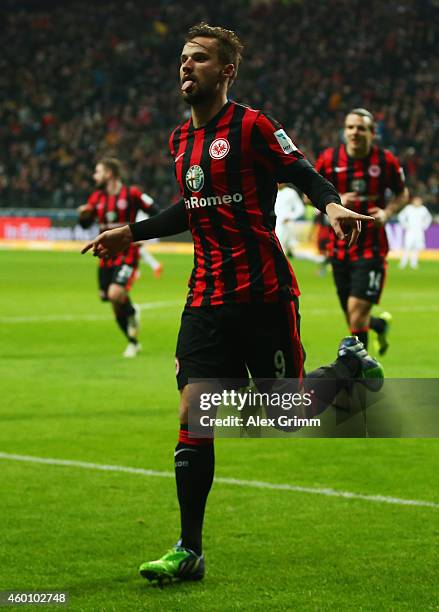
[114, 210]
[370, 177]
[228, 172]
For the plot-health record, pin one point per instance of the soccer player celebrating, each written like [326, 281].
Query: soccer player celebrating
[362, 172]
[242, 306]
[114, 204]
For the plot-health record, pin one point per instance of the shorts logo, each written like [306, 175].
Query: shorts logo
[122, 204]
[286, 144]
[177, 366]
[219, 148]
[195, 178]
[374, 171]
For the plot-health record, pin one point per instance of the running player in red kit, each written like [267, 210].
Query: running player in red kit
[242, 306]
[115, 204]
[362, 172]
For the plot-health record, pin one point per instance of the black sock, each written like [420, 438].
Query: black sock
[378, 325]
[194, 469]
[128, 307]
[362, 336]
[124, 311]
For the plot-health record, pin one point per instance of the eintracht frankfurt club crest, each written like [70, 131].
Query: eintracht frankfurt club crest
[219, 148]
[195, 178]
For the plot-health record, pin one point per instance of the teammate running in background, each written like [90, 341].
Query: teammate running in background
[241, 312]
[114, 204]
[362, 172]
[288, 208]
[415, 219]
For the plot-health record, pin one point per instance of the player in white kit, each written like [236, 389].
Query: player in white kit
[415, 218]
[288, 208]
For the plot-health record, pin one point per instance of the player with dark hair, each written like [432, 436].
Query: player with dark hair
[363, 172]
[242, 305]
[114, 204]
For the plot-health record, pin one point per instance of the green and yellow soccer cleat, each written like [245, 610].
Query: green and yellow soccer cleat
[381, 343]
[371, 369]
[177, 564]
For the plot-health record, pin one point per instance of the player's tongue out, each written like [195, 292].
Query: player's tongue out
[187, 85]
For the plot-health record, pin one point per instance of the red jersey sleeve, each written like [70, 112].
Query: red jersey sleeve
[92, 202]
[273, 146]
[395, 173]
[141, 200]
[320, 164]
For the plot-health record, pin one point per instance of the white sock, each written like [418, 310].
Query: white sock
[149, 259]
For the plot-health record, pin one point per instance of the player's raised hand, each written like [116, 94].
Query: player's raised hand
[345, 223]
[110, 243]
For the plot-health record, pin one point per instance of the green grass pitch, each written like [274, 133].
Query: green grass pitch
[66, 393]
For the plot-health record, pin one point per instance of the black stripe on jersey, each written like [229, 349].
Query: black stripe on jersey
[382, 176]
[335, 181]
[265, 192]
[363, 206]
[234, 183]
[381, 191]
[228, 272]
[105, 207]
[195, 228]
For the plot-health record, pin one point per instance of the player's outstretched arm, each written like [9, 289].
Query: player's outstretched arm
[173, 220]
[345, 223]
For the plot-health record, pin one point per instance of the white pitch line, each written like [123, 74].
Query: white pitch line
[68, 317]
[154, 305]
[253, 484]
[321, 311]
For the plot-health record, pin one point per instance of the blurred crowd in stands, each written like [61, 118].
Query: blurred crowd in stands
[79, 80]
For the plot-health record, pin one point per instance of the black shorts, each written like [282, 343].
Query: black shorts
[122, 275]
[224, 341]
[362, 279]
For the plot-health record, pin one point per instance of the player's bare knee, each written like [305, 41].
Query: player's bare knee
[116, 294]
[358, 312]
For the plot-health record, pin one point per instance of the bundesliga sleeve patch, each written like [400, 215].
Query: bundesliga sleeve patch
[285, 142]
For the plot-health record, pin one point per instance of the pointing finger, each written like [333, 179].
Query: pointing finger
[364, 217]
[354, 236]
[87, 248]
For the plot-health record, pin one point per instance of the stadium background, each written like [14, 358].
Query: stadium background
[78, 80]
